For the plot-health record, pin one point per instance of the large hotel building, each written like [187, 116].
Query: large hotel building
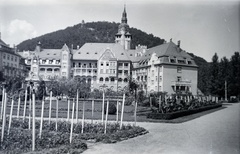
[161, 68]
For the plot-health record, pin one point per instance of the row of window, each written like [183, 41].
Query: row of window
[110, 71]
[101, 79]
[10, 57]
[11, 65]
[180, 61]
[84, 65]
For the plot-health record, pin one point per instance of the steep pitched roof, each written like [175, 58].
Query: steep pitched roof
[93, 51]
[168, 49]
[3, 43]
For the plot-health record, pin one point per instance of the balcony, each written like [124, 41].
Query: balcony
[181, 83]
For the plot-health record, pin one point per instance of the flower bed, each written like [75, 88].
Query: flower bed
[53, 141]
[172, 115]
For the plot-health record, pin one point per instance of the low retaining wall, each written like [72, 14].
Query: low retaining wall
[173, 115]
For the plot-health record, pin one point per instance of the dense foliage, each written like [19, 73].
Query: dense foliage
[101, 32]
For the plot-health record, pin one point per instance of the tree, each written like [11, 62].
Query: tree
[234, 81]
[41, 91]
[214, 70]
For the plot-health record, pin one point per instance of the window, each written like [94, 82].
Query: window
[120, 71]
[173, 61]
[101, 63]
[126, 64]
[120, 80]
[120, 64]
[49, 70]
[106, 79]
[73, 64]
[107, 63]
[156, 78]
[152, 72]
[152, 82]
[189, 62]
[50, 61]
[125, 72]
[101, 71]
[160, 78]
[181, 61]
[64, 73]
[34, 69]
[43, 61]
[4, 56]
[15, 58]
[79, 64]
[42, 69]
[11, 58]
[57, 61]
[8, 57]
[125, 80]
[101, 79]
[112, 79]
[64, 57]
[179, 78]
[179, 69]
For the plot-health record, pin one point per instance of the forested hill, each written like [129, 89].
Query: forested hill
[102, 32]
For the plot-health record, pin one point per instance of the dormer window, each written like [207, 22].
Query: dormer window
[87, 52]
[43, 61]
[79, 52]
[95, 53]
[50, 61]
[189, 62]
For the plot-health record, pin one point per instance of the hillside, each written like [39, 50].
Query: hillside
[101, 32]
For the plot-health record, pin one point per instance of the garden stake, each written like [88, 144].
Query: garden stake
[83, 116]
[92, 110]
[105, 127]
[4, 116]
[25, 105]
[103, 106]
[117, 111]
[3, 92]
[10, 118]
[40, 132]
[33, 122]
[216, 99]
[77, 107]
[151, 102]
[122, 110]
[30, 106]
[135, 114]
[72, 122]
[18, 109]
[50, 108]
[56, 114]
[68, 110]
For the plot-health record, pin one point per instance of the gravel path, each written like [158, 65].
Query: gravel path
[214, 133]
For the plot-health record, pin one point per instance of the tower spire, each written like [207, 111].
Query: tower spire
[124, 15]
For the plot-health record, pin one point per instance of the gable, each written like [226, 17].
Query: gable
[107, 55]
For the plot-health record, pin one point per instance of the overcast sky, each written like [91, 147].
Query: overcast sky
[203, 27]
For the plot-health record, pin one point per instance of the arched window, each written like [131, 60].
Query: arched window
[106, 79]
[42, 69]
[101, 79]
[112, 79]
[120, 80]
[49, 70]
[125, 80]
[89, 80]
[56, 70]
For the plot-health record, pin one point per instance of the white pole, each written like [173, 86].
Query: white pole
[160, 103]
[10, 118]
[117, 110]
[225, 90]
[3, 93]
[4, 116]
[50, 107]
[122, 111]
[57, 114]
[18, 109]
[25, 105]
[40, 132]
[135, 114]
[33, 123]
[68, 109]
[103, 106]
[92, 109]
[83, 116]
[29, 110]
[72, 122]
[105, 127]
[77, 107]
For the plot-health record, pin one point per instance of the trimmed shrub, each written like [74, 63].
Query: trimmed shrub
[111, 109]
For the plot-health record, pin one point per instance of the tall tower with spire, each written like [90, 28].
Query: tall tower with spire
[123, 36]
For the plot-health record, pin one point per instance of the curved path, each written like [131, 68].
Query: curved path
[214, 133]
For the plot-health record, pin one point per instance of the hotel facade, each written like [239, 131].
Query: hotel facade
[163, 68]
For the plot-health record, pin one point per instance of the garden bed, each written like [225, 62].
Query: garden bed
[173, 115]
[20, 139]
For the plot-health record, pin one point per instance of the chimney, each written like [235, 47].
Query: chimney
[77, 47]
[179, 43]
[38, 47]
[170, 39]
